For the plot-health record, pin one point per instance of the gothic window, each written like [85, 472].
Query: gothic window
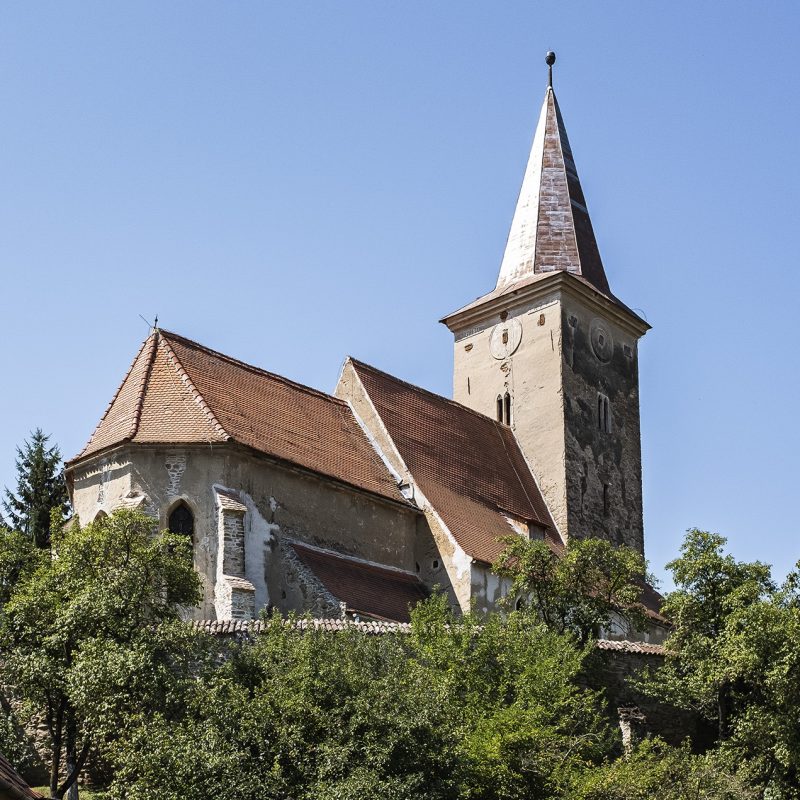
[603, 414]
[507, 408]
[181, 520]
[499, 408]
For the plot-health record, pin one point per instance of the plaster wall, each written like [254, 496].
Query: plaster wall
[282, 504]
[531, 374]
[439, 560]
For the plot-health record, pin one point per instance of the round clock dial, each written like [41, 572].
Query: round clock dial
[505, 338]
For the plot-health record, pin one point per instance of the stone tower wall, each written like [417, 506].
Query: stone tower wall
[558, 358]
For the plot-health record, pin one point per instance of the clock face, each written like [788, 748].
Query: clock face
[602, 342]
[505, 338]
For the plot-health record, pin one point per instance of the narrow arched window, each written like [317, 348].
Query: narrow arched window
[499, 408]
[181, 520]
[507, 408]
[603, 414]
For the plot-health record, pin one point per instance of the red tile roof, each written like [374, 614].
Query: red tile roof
[468, 466]
[365, 588]
[178, 391]
[11, 782]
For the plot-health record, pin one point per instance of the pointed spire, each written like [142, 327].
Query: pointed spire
[551, 229]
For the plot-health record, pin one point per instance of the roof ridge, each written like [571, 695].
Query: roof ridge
[252, 367]
[422, 389]
[152, 342]
[204, 407]
[116, 395]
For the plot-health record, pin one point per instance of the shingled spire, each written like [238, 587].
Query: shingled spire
[551, 229]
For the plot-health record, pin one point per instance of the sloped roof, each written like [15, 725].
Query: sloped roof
[12, 782]
[467, 465]
[365, 588]
[178, 391]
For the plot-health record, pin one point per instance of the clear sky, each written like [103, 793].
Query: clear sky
[294, 182]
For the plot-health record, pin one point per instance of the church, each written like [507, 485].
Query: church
[356, 504]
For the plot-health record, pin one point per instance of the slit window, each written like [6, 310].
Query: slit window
[507, 408]
[603, 414]
[499, 408]
[181, 520]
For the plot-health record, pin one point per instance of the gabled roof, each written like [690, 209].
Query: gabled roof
[366, 588]
[468, 466]
[178, 391]
[12, 783]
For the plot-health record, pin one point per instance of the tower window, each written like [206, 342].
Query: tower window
[499, 408]
[603, 414]
[507, 408]
[181, 520]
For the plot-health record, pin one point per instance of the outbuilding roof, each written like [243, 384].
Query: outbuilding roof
[12, 783]
[366, 588]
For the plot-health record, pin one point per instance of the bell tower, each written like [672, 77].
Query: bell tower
[552, 353]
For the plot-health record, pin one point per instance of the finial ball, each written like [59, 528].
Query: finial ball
[550, 58]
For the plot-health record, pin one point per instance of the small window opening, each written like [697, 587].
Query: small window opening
[416, 565]
[436, 563]
[605, 499]
[499, 408]
[505, 336]
[603, 414]
[507, 408]
[181, 520]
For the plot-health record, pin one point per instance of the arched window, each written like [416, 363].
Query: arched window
[499, 408]
[181, 520]
[603, 414]
[507, 408]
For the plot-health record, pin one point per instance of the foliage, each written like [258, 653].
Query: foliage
[91, 630]
[40, 489]
[454, 710]
[579, 590]
[734, 656]
[654, 769]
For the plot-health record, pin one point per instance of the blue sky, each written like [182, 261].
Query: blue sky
[294, 182]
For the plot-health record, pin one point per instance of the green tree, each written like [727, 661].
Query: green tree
[92, 631]
[733, 656]
[456, 709]
[578, 590]
[654, 769]
[40, 489]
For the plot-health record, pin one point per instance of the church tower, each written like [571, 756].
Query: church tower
[552, 353]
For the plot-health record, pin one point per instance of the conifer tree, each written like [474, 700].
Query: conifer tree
[40, 489]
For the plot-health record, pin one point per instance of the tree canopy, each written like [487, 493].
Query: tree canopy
[734, 657]
[101, 614]
[40, 490]
[579, 590]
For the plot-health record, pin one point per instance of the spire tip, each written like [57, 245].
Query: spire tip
[550, 59]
